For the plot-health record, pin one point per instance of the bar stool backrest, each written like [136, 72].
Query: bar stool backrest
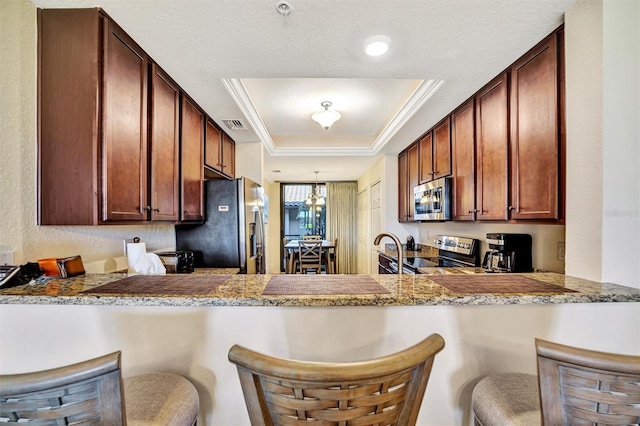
[580, 386]
[382, 391]
[89, 391]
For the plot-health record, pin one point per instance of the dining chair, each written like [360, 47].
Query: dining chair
[332, 258]
[93, 392]
[312, 237]
[309, 256]
[382, 391]
[574, 386]
[285, 255]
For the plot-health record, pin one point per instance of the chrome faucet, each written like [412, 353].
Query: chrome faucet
[398, 245]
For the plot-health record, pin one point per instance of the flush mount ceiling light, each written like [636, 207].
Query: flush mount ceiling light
[377, 45]
[283, 8]
[325, 117]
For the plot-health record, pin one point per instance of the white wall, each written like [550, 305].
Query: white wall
[621, 142]
[603, 112]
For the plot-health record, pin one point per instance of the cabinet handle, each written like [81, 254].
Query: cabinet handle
[156, 210]
[511, 208]
[148, 208]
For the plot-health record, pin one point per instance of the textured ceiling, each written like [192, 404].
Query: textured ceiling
[286, 62]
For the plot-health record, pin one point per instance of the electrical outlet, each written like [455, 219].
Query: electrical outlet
[7, 258]
[560, 251]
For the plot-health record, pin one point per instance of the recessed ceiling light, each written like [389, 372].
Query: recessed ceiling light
[377, 45]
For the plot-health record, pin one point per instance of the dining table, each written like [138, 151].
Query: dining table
[292, 248]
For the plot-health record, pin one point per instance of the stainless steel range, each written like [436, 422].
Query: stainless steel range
[453, 252]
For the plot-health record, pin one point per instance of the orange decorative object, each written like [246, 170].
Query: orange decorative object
[50, 266]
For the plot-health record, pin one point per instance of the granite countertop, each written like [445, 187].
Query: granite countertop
[247, 290]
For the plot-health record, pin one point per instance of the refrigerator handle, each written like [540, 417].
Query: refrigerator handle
[260, 263]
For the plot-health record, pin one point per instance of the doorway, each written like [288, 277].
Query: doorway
[303, 211]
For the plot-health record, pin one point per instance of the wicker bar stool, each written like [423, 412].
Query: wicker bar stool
[382, 391]
[576, 387]
[90, 392]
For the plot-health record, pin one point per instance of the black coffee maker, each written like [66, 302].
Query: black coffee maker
[508, 253]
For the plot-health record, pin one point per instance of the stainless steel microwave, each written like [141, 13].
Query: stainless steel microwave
[433, 200]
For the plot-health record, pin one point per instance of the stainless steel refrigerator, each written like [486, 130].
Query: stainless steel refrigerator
[232, 235]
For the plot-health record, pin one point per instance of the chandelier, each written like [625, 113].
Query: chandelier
[325, 117]
[315, 197]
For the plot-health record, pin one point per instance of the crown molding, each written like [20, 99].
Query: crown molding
[239, 93]
[241, 97]
[423, 92]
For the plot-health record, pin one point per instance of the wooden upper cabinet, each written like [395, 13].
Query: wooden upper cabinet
[492, 138]
[412, 179]
[192, 160]
[534, 133]
[213, 146]
[124, 121]
[165, 154]
[408, 164]
[403, 187]
[426, 157]
[463, 154]
[220, 151]
[68, 126]
[228, 156]
[442, 149]
[92, 109]
[435, 152]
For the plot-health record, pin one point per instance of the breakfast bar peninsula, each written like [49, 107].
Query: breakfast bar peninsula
[187, 323]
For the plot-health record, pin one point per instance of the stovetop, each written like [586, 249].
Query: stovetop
[452, 252]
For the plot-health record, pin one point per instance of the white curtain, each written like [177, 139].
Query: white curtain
[342, 216]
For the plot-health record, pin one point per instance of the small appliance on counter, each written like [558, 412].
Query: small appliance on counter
[177, 262]
[411, 243]
[508, 253]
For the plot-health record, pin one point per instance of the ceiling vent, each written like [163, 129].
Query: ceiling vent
[235, 124]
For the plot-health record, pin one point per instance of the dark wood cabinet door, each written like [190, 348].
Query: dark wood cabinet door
[534, 133]
[442, 149]
[413, 160]
[425, 148]
[228, 156]
[492, 137]
[124, 128]
[68, 126]
[403, 193]
[165, 154]
[213, 146]
[464, 168]
[192, 161]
